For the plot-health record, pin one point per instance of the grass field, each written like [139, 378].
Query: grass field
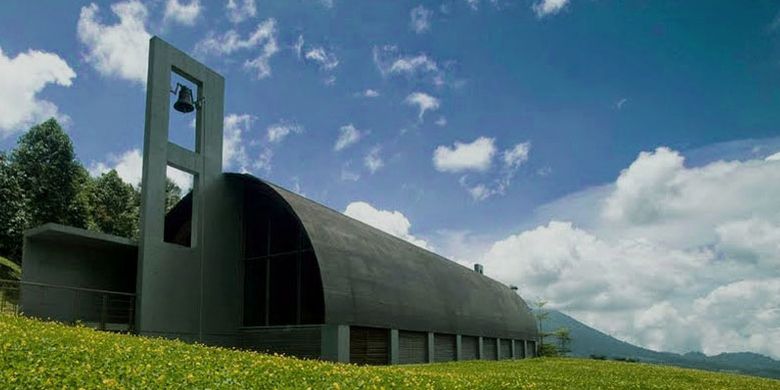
[36, 354]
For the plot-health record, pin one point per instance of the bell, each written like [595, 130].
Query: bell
[184, 104]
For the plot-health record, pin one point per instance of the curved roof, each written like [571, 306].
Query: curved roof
[371, 278]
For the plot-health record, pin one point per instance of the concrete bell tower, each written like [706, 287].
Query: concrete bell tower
[172, 279]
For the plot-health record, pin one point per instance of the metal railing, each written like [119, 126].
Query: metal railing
[100, 309]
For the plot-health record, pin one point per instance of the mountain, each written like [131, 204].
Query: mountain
[592, 343]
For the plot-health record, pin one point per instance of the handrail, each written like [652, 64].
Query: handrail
[68, 287]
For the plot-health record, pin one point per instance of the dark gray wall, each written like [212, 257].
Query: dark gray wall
[65, 256]
[301, 340]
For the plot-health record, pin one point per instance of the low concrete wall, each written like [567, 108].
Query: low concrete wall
[63, 256]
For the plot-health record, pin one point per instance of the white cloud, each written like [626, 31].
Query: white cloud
[441, 122]
[474, 156]
[411, 65]
[240, 10]
[773, 157]
[420, 19]
[391, 222]
[516, 156]
[182, 179]
[21, 79]
[129, 167]
[263, 161]
[119, 50]
[348, 175]
[388, 61]
[673, 257]
[348, 135]
[370, 93]
[373, 160]
[326, 60]
[620, 103]
[473, 4]
[263, 38]
[277, 132]
[185, 14]
[423, 101]
[233, 146]
[298, 46]
[478, 156]
[544, 8]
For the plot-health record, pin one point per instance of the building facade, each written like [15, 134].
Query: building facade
[242, 262]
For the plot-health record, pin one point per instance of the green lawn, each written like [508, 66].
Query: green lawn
[37, 354]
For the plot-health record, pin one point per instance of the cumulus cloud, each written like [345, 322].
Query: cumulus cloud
[277, 132]
[373, 161]
[185, 14]
[370, 93]
[21, 79]
[477, 156]
[673, 257]
[420, 19]
[544, 8]
[391, 222]
[128, 165]
[119, 50]
[423, 101]
[348, 135]
[474, 156]
[238, 10]
[234, 154]
[263, 40]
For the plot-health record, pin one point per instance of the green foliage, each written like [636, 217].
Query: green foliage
[9, 269]
[563, 337]
[113, 205]
[50, 177]
[37, 355]
[548, 350]
[13, 212]
[172, 194]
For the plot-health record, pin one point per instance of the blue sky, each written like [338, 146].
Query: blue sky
[479, 129]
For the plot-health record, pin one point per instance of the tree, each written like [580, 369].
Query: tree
[113, 205]
[50, 177]
[9, 270]
[563, 336]
[13, 212]
[546, 349]
[172, 194]
[541, 315]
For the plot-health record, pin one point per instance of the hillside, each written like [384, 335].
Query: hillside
[587, 341]
[37, 354]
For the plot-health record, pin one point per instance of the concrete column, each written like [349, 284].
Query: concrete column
[458, 348]
[525, 348]
[498, 349]
[431, 350]
[480, 353]
[335, 343]
[512, 346]
[394, 346]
